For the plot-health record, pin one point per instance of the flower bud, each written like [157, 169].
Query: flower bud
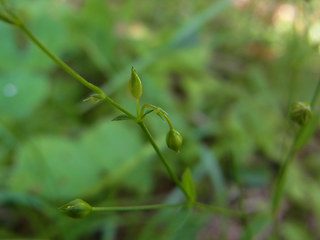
[76, 208]
[174, 140]
[135, 84]
[300, 113]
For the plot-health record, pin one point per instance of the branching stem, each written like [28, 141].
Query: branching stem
[162, 158]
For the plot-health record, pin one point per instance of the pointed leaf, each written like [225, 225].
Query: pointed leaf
[147, 112]
[188, 184]
[121, 117]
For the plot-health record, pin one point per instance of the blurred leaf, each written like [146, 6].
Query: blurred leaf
[188, 184]
[147, 112]
[212, 168]
[295, 231]
[21, 93]
[59, 167]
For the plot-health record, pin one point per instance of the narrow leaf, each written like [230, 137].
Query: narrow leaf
[147, 112]
[188, 184]
[121, 117]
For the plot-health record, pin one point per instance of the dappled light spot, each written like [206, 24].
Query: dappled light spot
[314, 33]
[10, 90]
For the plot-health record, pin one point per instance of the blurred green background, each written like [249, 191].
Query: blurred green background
[225, 71]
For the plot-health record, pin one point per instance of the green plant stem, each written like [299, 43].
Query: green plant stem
[223, 211]
[60, 62]
[294, 147]
[156, 109]
[245, 220]
[136, 208]
[162, 158]
[69, 70]
[138, 108]
[105, 97]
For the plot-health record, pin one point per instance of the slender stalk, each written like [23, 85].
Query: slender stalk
[156, 109]
[223, 211]
[138, 108]
[62, 64]
[294, 147]
[168, 121]
[136, 208]
[70, 71]
[162, 158]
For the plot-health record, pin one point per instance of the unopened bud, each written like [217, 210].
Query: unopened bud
[135, 84]
[300, 113]
[76, 208]
[174, 140]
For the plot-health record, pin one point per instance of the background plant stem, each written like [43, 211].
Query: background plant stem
[281, 177]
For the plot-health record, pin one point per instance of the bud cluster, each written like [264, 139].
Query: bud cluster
[300, 113]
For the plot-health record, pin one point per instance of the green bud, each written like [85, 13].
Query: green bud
[76, 209]
[135, 84]
[174, 140]
[300, 113]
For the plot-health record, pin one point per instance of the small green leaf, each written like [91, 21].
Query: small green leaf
[188, 185]
[95, 98]
[162, 118]
[147, 112]
[121, 117]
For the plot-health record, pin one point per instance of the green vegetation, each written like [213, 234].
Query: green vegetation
[233, 77]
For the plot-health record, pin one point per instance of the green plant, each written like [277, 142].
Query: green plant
[79, 208]
[136, 89]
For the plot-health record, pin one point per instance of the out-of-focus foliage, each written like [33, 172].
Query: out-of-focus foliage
[225, 71]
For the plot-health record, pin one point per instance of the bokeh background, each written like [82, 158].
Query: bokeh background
[225, 71]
